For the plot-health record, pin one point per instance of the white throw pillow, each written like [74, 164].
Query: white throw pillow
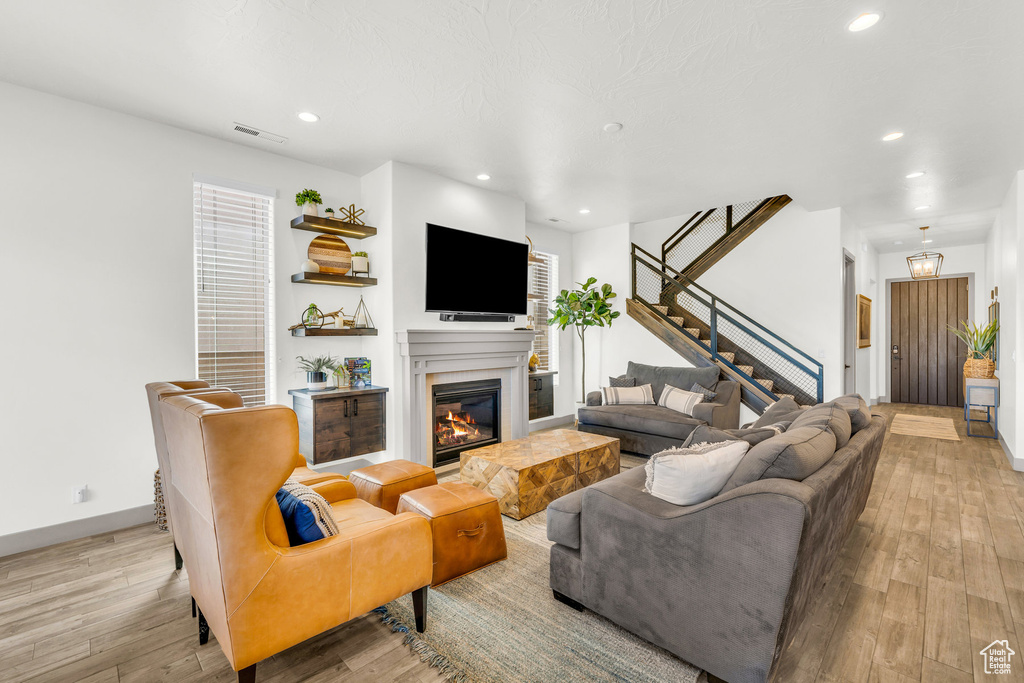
[688, 476]
[617, 396]
[679, 400]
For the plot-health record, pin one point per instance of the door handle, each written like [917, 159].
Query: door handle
[355, 407]
[346, 408]
[847, 367]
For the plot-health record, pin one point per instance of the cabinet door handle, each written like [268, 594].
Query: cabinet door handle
[346, 408]
[355, 407]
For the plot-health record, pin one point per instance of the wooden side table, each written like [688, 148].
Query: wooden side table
[982, 393]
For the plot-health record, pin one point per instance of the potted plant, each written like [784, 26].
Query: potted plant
[979, 342]
[316, 370]
[583, 308]
[329, 212]
[360, 262]
[308, 201]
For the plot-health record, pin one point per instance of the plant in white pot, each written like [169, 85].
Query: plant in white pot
[308, 201]
[329, 212]
[583, 308]
[360, 262]
[316, 370]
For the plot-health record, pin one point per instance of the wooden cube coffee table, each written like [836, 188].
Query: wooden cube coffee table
[527, 474]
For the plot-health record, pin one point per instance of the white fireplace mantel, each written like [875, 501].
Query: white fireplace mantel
[428, 352]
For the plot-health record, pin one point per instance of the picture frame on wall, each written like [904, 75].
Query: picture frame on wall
[993, 315]
[863, 322]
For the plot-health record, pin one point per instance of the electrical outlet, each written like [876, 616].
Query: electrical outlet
[79, 494]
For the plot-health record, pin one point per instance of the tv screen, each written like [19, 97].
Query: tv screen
[470, 273]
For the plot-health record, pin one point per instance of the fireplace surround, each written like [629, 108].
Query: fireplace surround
[466, 415]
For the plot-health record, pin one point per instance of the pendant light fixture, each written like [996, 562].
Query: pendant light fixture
[925, 265]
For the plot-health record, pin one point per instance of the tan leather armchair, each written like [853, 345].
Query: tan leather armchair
[225, 398]
[258, 595]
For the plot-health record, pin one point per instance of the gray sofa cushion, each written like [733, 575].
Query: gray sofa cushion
[795, 454]
[640, 418]
[857, 407]
[831, 416]
[707, 434]
[564, 519]
[659, 376]
[783, 410]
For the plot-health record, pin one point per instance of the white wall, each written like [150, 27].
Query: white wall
[559, 242]
[96, 285]
[866, 266]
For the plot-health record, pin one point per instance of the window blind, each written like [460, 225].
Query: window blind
[544, 285]
[234, 299]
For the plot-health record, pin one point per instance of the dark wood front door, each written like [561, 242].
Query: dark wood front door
[927, 359]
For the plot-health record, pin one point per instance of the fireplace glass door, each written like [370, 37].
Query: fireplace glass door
[466, 415]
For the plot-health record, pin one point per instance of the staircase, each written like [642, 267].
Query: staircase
[704, 239]
[708, 331]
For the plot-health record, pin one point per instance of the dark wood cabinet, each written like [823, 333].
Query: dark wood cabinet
[339, 424]
[541, 390]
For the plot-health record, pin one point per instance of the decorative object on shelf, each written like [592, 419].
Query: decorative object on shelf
[359, 371]
[329, 212]
[312, 317]
[926, 264]
[316, 370]
[863, 322]
[583, 308]
[308, 201]
[360, 263]
[310, 266]
[979, 342]
[340, 320]
[352, 214]
[341, 377]
[532, 258]
[534, 362]
[362, 316]
[331, 253]
[993, 317]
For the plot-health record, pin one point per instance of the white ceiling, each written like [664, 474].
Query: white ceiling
[721, 100]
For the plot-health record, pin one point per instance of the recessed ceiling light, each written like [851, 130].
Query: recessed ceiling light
[483, 176]
[612, 127]
[308, 116]
[926, 241]
[914, 174]
[864, 21]
[584, 211]
[898, 242]
[895, 135]
[922, 208]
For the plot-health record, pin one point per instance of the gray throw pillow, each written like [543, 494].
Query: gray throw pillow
[709, 396]
[795, 454]
[830, 416]
[707, 434]
[778, 412]
[857, 407]
[622, 381]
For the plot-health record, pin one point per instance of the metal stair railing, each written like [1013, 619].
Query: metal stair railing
[704, 231]
[660, 286]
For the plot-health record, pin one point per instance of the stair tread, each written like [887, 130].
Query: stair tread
[728, 355]
[766, 383]
[663, 309]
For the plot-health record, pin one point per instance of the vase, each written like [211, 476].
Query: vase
[316, 381]
[311, 210]
[310, 266]
[360, 264]
[979, 368]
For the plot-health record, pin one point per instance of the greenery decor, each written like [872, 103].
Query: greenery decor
[308, 196]
[329, 210]
[318, 363]
[979, 340]
[360, 253]
[583, 308]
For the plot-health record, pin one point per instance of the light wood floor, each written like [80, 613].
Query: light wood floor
[933, 573]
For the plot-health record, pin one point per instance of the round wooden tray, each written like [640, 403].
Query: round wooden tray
[331, 253]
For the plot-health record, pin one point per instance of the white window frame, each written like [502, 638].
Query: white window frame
[539, 309]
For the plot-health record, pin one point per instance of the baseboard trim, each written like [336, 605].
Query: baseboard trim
[550, 422]
[1015, 463]
[21, 541]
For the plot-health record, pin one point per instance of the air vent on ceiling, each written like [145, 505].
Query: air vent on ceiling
[257, 133]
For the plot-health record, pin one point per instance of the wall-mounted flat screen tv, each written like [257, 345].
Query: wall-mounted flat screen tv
[471, 273]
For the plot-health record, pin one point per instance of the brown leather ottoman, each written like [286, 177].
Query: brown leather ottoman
[466, 525]
[382, 485]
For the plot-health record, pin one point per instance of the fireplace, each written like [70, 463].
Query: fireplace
[466, 415]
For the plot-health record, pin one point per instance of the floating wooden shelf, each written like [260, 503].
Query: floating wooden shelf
[332, 226]
[334, 279]
[332, 332]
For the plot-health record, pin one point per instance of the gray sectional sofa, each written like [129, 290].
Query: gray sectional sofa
[648, 429]
[723, 584]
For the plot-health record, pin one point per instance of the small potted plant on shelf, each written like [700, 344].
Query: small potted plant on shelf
[329, 212]
[308, 201]
[316, 370]
[360, 262]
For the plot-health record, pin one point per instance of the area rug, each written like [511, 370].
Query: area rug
[501, 624]
[921, 425]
